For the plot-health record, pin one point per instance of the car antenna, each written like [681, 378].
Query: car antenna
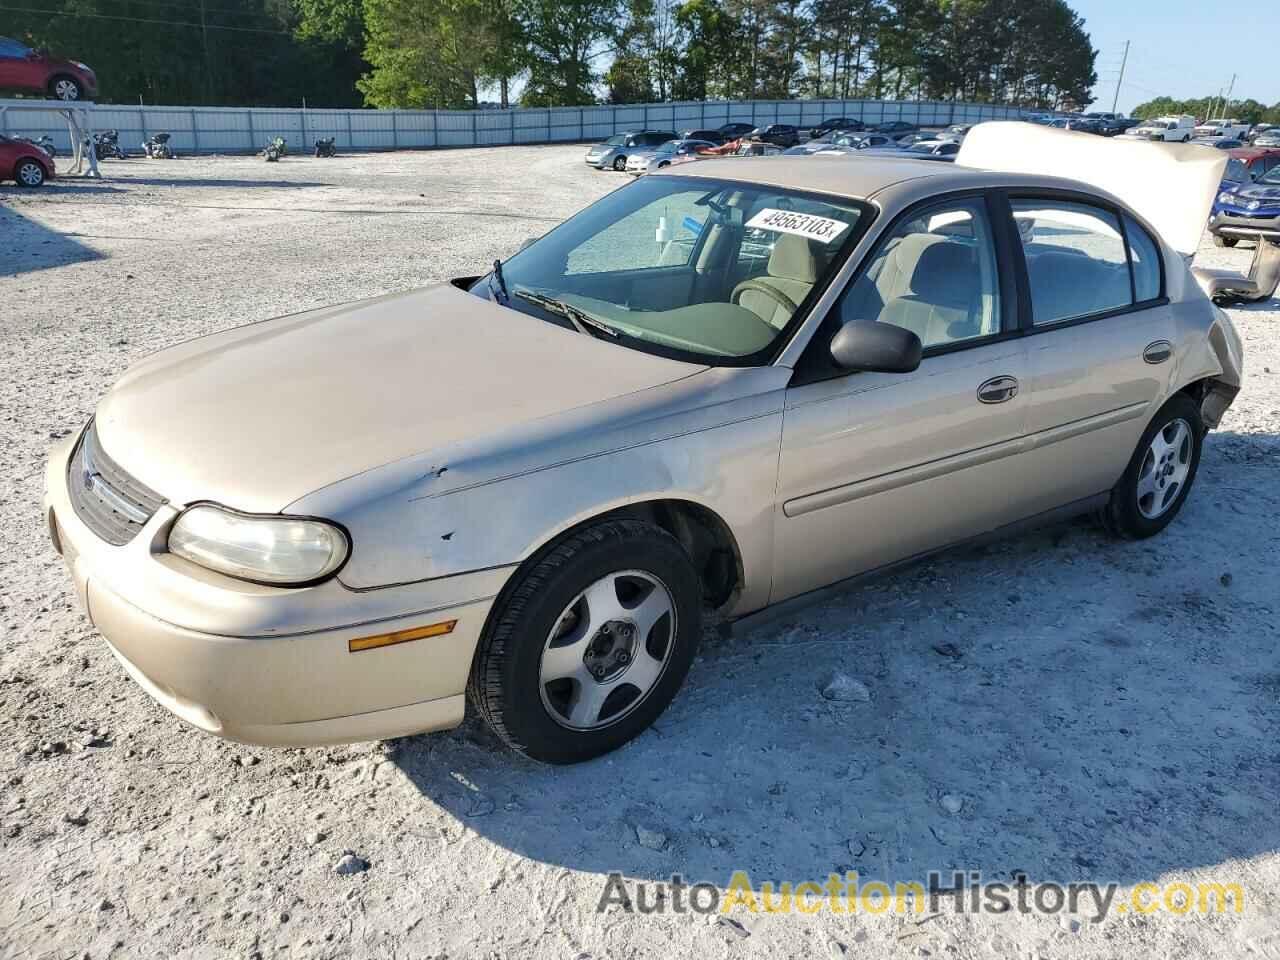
[501, 283]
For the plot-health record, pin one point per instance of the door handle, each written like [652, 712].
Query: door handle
[1158, 351]
[998, 389]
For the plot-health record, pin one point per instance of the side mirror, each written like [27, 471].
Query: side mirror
[875, 347]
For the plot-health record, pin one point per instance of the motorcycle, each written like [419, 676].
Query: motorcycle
[106, 145]
[325, 147]
[276, 149]
[45, 143]
[157, 147]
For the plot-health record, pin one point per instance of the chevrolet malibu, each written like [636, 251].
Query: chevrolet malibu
[721, 387]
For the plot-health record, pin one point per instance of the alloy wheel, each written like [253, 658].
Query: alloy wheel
[66, 90]
[1164, 469]
[30, 175]
[607, 650]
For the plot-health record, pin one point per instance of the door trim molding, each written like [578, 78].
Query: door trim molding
[845, 493]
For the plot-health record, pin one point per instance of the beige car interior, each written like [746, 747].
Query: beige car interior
[793, 269]
[938, 283]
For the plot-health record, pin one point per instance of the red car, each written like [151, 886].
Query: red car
[33, 71]
[24, 163]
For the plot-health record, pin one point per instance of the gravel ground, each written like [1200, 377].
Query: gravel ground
[1060, 705]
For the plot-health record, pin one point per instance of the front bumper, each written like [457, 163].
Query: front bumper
[599, 161]
[1250, 221]
[271, 665]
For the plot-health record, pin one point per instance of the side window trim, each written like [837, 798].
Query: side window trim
[1073, 196]
[992, 202]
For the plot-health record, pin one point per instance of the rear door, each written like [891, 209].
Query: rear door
[14, 65]
[1099, 343]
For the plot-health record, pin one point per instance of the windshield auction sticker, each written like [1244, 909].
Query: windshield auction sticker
[823, 229]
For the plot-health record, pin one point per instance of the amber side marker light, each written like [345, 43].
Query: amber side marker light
[400, 636]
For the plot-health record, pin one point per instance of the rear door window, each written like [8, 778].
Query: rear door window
[1076, 259]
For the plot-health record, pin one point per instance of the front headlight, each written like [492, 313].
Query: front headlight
[1253, 205]
[1226, 197]
[278, 550]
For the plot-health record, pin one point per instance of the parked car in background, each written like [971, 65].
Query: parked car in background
[934, 149]
[895, 129]
[23, 70]
[613, 153]
[779, 134]
[1224, 129]
[24, 163]
[735, 129]
[630, 429]
[646, 161]
[1246, 166]
[1258, 129]
[1083, 125]
[836, 123]
[957, 131]
[1253, 205]
[1220, 143]
[837, 138]
[711, 136]
[1268, 138]
[1179, 129]
[757, 148]
[1110, 124]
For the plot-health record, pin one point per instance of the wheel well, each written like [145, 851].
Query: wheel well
[1211, 397]
[701, 531]
[64, 76]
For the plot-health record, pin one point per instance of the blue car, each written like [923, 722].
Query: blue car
[1252, 205]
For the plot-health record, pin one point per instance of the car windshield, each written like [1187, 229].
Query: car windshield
[706, 270]
[1271, 178]
[669, 146]
[1236, 171]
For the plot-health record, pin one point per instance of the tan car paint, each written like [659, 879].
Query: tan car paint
[467, 471]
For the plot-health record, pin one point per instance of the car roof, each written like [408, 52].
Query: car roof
[856, 179]
[1252, 153]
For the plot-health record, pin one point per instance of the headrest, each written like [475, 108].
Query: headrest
[792, 259]
[945, 274]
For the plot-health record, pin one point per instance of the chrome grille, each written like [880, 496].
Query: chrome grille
[108, 500]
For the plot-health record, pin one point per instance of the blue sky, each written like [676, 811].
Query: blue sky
[1182, 48]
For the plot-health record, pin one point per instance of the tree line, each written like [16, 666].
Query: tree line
[457, 53]
[1246, 111]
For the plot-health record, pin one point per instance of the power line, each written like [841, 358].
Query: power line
[194, 8]
[165, 23]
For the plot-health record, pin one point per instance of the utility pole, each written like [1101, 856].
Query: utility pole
[1123, 61]
[1227, 99]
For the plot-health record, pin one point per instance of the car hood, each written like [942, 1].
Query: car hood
[259, 416]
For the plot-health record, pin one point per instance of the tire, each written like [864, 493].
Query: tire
[66, 88]
[1135, 515]
[620, 164]
[552, 716]
[28, 173]
[1220, 241]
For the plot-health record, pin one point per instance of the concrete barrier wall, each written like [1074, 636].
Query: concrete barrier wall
[246, 130]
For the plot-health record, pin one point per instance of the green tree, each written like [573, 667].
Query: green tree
[564, 39]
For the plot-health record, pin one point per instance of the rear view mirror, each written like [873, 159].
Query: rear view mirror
[875, 347]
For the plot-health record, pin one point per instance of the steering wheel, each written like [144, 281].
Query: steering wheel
[777, 296]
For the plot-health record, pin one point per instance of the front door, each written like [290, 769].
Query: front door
[876, 468]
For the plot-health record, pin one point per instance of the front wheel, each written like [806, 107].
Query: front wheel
[66, 88]
[1160, 473]
[589, 644]
[620, 164]
[1221, 241]
[29, 174]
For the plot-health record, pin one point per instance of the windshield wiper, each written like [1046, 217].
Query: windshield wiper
[582, 321]
[497, 284]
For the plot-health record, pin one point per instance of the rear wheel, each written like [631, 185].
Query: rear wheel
[65, 88]
[28, 174]
[590, 644]
[1160, 474]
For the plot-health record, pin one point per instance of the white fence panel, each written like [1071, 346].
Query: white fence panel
[246, 130]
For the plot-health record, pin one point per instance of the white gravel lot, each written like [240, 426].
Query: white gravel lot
[1060, 705]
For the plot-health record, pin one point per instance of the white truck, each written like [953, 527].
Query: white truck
[1166, 128]
[1221, 130]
